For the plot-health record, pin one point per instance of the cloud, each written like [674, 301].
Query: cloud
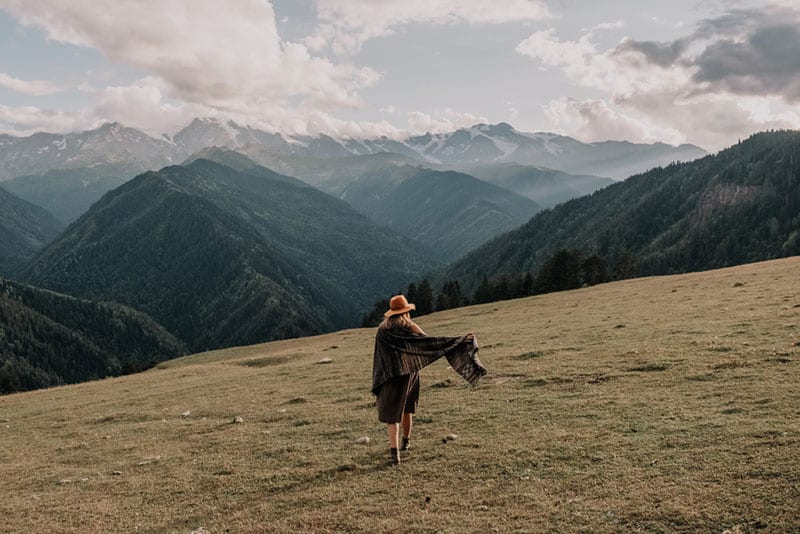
[29, 87]
[596, 119]
[347, 24]
[661, 54]
[25, 120]
[732, 75]
[442, 121]
[233, 63]
[766, 62]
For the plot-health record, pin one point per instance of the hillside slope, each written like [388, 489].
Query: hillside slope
[201, 272]
[68, 193]
[24, 229]
[658, 405]
[546, 187]
[741, 205]
[48, 339]
[324, 234]
[449, 212]
[222, 257]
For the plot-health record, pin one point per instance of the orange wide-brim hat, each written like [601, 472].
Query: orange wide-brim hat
[399, 305]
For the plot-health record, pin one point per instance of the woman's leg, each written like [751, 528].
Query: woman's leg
[406, 423]
[394, 429]
[394, 452]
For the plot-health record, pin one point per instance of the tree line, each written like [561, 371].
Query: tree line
[566, 269]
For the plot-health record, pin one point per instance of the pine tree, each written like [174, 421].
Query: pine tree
[626, 266]
[424, 300]
[484, 293]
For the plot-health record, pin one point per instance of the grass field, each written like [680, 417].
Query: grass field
[667, 404]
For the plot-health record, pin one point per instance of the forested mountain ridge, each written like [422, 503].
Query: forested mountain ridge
[739, 206]
[224, 258]
[24, 229]
[68, 193]
[48, 339]
[450, 212]
[199, 271]
[66, 173]
[547, 187]
[323, 233]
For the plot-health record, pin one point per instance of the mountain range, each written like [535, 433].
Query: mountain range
[739, 206]
[547, 187]
[124, 151]
[449, 212]
[222, 257]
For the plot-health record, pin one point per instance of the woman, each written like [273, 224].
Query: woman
[402, 348]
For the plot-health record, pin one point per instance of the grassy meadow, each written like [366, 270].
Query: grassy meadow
[668, 404]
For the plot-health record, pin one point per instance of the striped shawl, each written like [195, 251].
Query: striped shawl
[397, 355]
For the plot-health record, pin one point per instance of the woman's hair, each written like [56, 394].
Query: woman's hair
[401, 320]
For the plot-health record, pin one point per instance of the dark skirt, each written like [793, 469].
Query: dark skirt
[396, 397]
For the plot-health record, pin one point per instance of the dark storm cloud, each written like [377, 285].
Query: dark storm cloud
[750, 52]
[662, 54]
[767, 61]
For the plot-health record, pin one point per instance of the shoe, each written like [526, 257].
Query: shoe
[406, 444]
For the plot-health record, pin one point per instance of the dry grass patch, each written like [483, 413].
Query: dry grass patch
[606, 409]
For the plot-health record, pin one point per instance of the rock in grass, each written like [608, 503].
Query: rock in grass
[238, 419]
[449, 437]
[325, 360]
[187, 413]
[363, 440]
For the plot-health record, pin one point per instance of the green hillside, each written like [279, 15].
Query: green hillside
[221, 257]
[450, 212]
[48, 339]
[741, 205]
[656, 405]
[24, 229]
[68, 193]
[323, 234]
[202, 273]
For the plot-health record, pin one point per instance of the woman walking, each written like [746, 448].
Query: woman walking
[402, 348]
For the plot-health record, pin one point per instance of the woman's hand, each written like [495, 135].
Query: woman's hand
[470, 336]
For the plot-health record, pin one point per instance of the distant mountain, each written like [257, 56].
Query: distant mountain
[480, 144]
[501, 143]
[335, 175]
[24, 229]
[736, 207]
[325, 234]
[48, 339]
[547, 187]
[66, 173]
[204, 133]
[450, 212]
[129, 150]
[222, 258]
[68, 193]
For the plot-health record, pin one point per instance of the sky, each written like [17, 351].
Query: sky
[706, 72]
